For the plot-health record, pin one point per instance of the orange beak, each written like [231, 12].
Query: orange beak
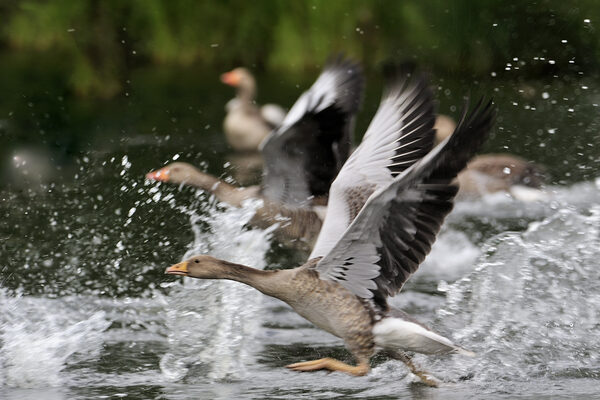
[178, 269]
[161, 175]
[230, 78]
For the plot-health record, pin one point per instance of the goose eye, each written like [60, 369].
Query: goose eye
[196, 261]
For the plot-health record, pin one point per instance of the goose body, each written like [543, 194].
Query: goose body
[246, 124]
[391, 197]
[492, 173]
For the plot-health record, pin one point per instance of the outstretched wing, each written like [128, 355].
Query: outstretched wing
[400, 134]
[395, 229]
[303, 156]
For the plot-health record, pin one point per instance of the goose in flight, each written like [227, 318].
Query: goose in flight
[386, 207]
[302, 157]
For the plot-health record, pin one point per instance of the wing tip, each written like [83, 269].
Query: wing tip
[350, 81]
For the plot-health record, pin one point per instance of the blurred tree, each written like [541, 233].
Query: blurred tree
[99, 41]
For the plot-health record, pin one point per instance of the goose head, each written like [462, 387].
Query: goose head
[184, 173]
[241, 79]
[200, 266]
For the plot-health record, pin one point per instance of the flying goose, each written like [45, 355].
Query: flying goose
[386, 208]
[302, 157]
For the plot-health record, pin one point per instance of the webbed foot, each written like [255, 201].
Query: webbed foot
[331, 365]
[427, 379]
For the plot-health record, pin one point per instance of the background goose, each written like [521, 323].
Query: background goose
[302, 157]
[491, 173]
[246, 124]
[392, 203]
[294, 222]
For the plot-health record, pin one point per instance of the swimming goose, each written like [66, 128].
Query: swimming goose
[302, 157]
[389, 205]
[491, 173]
[246, 124]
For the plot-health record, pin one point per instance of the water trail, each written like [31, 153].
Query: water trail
[40, 337]
[212, 323]
[531, 309]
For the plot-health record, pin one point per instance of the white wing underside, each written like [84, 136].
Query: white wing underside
[394, 230]
[352, 260]
[367, 168]
[321, 95]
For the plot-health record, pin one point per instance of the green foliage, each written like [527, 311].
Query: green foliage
[99, 41]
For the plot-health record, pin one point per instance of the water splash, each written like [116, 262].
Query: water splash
[212, 323]
[451, 257]
[501, 205]
[40, 337]
[531, 309]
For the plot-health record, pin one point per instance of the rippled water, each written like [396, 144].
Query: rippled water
[525, 302]
[86, 312]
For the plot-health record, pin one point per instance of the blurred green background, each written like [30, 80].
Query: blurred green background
[97, 43]
[91, 75]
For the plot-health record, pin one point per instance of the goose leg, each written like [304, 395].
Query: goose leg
[332, 365]
[425, 378]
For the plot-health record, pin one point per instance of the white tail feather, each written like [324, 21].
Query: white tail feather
[396, 333]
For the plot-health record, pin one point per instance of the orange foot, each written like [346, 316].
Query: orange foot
[425, 378]
[331, 365]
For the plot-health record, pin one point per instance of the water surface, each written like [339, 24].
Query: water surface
[86, 312]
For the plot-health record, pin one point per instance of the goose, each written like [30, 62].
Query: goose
[386, 207]
[492, 173]
[294, 222]
[246, 124]
[302, 156]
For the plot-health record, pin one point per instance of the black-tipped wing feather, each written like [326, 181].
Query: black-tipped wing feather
[399, 135]
[399, 223]
[304, 155]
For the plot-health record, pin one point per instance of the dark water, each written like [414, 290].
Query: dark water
[86, 312]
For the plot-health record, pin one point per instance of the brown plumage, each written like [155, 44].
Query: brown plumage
[491, 173]
[344, 291]
[246, 125]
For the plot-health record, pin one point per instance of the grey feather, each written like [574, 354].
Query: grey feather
[402, 219]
